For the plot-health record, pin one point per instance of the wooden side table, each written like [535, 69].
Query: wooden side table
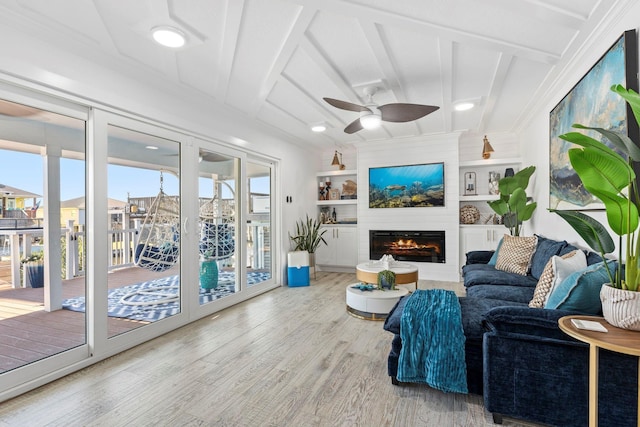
[616, 339]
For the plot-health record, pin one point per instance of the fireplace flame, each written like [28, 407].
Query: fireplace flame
[409, 244]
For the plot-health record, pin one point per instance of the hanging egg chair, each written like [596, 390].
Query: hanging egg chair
[158, 247]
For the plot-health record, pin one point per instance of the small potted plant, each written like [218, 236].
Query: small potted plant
[610, 177]
[33, 268]
[308, 237]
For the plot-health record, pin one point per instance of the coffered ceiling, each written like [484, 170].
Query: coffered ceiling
[272, 61]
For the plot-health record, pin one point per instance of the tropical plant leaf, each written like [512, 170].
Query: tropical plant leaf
[631, 97]
[499, 206]
[600, 172]
[592, 231]
[621, 141]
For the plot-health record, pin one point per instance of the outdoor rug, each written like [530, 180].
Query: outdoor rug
[156, 299]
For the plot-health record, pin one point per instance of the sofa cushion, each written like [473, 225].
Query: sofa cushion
[516, 253]
[484, 274]
[545, 283]
[545, 249]
[479, 257]
[473, 312]
[494, 258]
[581, 290]
[564, 267]
[519, 294]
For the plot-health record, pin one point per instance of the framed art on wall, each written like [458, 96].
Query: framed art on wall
[591, 103]
[407, 186]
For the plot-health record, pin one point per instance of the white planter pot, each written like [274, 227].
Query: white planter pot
[621, 308]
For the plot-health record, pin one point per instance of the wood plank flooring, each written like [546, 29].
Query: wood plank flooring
[290, 357]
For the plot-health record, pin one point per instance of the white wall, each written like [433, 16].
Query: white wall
[535, 135]
[443, 148]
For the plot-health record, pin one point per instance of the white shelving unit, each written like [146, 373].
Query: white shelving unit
[341, 251]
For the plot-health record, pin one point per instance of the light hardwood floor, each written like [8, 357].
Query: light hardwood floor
[290, 357]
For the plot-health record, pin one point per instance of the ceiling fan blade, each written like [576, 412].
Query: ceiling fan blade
[354, 126]
[344, 105]
[401, 112]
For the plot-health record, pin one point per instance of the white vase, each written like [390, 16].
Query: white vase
[621, 308]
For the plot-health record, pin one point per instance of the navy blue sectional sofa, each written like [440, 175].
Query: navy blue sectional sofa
[517, 357]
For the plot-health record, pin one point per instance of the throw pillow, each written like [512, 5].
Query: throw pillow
[541, 292]
[545, 249]
[515, 254]
[564, 267]
[581, 290]
[494, 258]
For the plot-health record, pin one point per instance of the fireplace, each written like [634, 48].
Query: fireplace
[419, 246]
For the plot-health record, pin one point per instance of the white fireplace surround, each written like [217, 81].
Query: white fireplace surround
[413, 151]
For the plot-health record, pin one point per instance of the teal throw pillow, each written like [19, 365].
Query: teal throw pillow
[494, 258]
[580, 291]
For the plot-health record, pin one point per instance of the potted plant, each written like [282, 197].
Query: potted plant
[34, 269]
[610, 177]
[513, 205]
[308, 237]
[387, 280]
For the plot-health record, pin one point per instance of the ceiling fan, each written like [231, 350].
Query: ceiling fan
[371, 114]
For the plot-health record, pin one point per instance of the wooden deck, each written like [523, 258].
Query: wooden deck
[28, 333]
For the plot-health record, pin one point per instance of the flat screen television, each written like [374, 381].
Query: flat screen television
[407, 186]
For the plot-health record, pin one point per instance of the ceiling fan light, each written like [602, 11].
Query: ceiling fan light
[168, 36]
[370, 121]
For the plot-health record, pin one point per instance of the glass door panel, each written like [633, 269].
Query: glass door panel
[259, 262]
[218, 225]
[144, 229]
[42, 191]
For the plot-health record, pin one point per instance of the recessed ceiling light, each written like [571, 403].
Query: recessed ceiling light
[464, 106]
[151, 147]
[168, 36]
[318, 128]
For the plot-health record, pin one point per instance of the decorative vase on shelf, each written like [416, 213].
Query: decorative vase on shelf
[620, 308]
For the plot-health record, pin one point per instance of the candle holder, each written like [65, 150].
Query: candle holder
[327, 184]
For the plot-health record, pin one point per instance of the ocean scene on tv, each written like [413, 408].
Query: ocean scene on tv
[407, 186]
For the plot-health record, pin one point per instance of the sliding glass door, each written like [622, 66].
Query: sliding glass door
[259, 236]
[42, 238]
[218, 219]
[143, 233]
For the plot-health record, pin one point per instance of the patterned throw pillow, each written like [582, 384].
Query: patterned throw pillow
[515, 254]
[545, 283]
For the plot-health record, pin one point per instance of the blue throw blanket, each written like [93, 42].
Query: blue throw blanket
[433, 341]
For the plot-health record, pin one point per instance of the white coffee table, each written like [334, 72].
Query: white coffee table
[406, 274]
[372, 305]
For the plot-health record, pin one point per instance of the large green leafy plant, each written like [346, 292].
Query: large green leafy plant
[514, 205]
[308, 235]
[610, 177]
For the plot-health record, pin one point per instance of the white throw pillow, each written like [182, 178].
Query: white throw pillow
[564, 267]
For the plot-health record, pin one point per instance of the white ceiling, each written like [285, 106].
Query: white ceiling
[272, 61]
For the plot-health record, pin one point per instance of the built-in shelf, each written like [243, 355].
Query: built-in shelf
[479, 198]
[338, 172]
[490, 162]
[337, 202]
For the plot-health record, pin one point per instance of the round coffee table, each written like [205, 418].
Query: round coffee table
[372, 305]
[406, 273]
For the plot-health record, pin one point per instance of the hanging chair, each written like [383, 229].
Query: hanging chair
[217, 233]
[159, 238]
